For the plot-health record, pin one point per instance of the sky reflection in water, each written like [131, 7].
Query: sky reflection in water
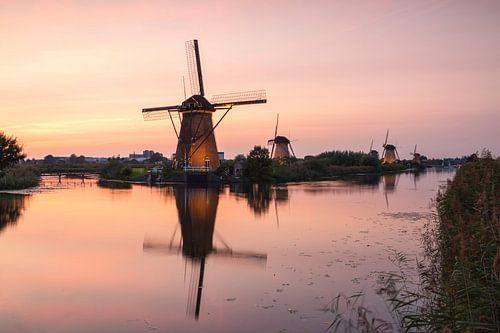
[86, 258]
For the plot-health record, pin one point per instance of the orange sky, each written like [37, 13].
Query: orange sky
[74, 75]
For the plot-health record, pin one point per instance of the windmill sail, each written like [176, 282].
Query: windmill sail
[275, 134]
[194, 67]
[239, 98]
[196, 147]
[159, 112]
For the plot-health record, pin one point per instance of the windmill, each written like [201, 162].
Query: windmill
[196, 147]
[280, 144]
[417, 158]
[389, 154]
[373, 152]
[197, 210]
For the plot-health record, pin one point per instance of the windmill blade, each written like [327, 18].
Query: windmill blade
[194, 67]
[371, 146]
[383, 153]
[397, 153]
[415, 150]
[239, 98]
[291, 148]
[275, 134]
[386, 137]
[161, 112]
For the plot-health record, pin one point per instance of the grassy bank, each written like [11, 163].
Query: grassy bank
[458, 287]
[18, 177]
[469, 250]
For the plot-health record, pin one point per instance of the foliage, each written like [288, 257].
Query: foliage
[259, 165]
[469, 246]
[73, 159]
[19, 177]
[459, 287]
[116, 169]
[348, 158]
[10, 151]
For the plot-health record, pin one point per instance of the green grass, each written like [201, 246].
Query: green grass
[138, 172]
[18, 177]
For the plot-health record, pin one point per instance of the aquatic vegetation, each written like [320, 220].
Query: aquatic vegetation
[18, 178]
[456, 286]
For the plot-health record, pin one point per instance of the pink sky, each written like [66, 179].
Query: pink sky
[74, 75]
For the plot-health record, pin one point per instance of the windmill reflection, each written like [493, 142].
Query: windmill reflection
[11, 208]
[390, 183]
[197, 210]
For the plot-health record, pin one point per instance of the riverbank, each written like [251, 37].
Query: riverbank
[469, 250]
[458, 288]
[18, 178]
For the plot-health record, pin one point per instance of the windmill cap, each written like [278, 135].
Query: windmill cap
[197, 102]
[281, 139]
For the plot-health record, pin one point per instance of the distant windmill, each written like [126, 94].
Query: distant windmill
[417, 158]
[389, 154]
[373, 152]
[196, 147]
[280, 144]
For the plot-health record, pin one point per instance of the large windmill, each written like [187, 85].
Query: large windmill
[390, 152]
[196, 147]
[280, 144]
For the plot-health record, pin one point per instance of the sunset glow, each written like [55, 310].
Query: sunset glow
[74, 75]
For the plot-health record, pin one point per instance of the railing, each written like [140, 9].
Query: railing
[195, 169]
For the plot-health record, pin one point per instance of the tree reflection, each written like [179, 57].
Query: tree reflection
[11, 209]
[259, 196]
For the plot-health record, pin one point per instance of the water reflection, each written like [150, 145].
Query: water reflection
[197, 210]
[260, 196]
[11, 208]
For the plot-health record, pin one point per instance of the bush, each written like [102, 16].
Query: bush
[115, 169]
[18, 178]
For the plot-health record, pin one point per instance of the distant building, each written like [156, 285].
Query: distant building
[146, 155]
[96, 159]
[239, 168]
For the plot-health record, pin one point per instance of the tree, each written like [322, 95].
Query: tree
[259, 164]
[49, 159]
[10, 151]
[156, 157]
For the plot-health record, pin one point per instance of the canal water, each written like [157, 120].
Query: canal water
[81, 257]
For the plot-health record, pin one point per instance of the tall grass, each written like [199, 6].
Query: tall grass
[457, 288]
[18, 177]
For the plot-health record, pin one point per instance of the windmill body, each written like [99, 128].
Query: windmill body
[281, 150]
[390, 154]
[373, 152]
[281, 145]
[196, 131]
[196, 147]
[417, 158]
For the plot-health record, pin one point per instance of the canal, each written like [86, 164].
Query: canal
[81, 257]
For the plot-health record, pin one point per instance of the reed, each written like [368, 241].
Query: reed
[18, 177]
